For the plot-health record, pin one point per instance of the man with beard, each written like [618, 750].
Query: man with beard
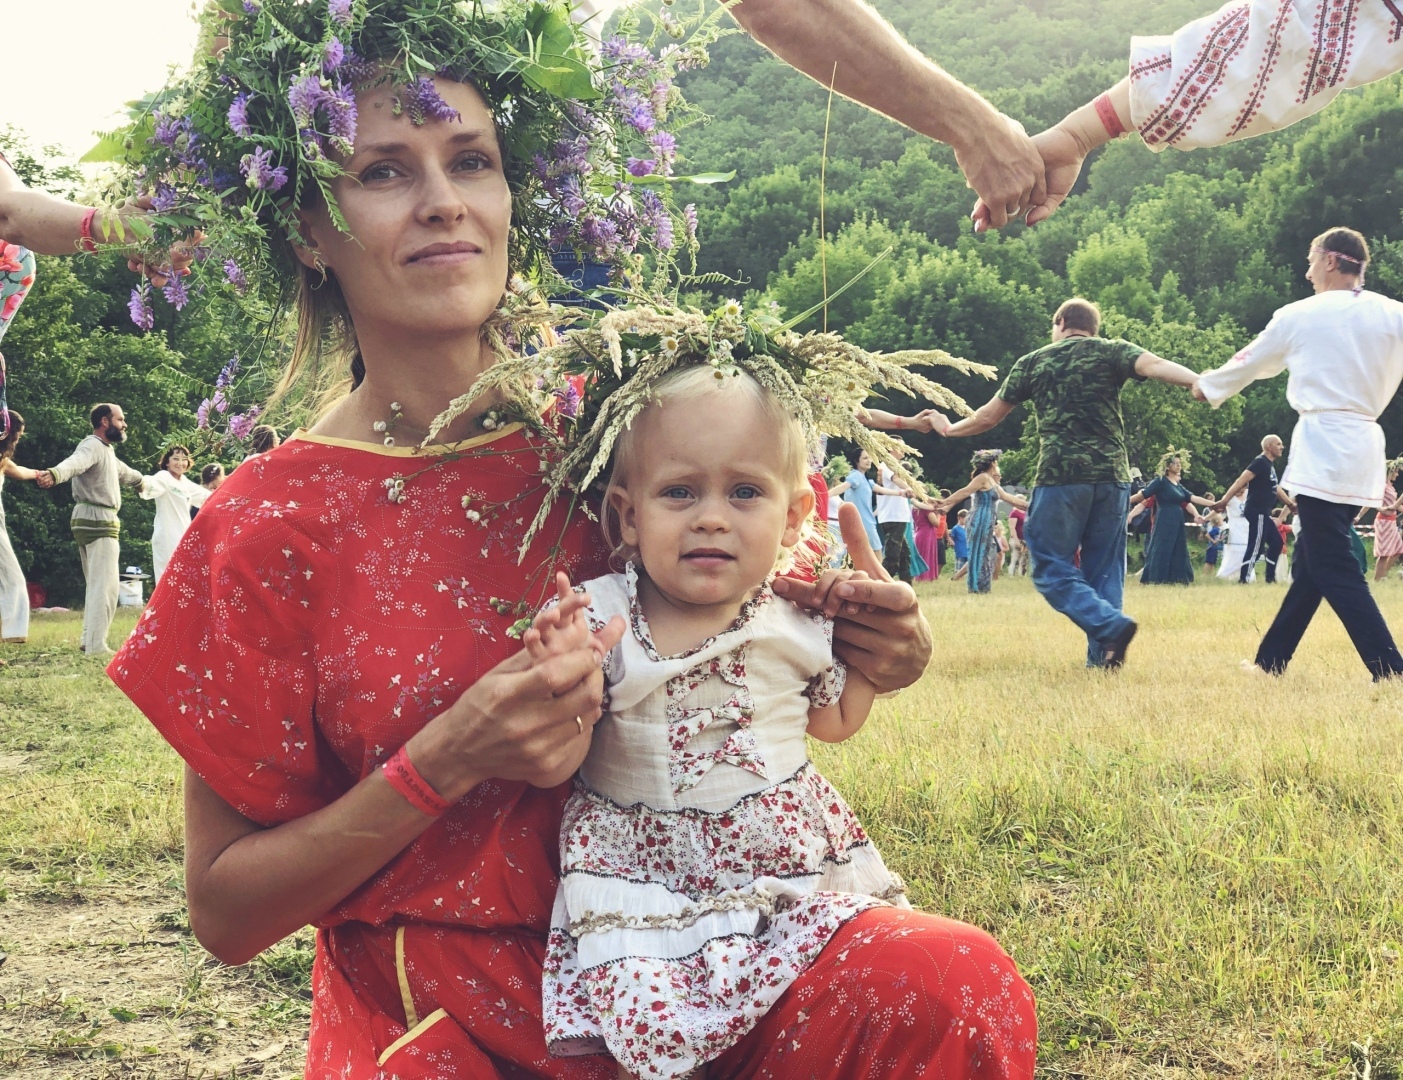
[97, 478]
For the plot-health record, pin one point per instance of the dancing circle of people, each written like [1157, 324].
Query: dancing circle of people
[588, 841]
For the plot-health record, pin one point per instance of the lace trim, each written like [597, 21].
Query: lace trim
[757, 900]
[639, 621]
[586, 792]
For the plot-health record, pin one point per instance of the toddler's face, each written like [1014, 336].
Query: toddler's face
[707, 506]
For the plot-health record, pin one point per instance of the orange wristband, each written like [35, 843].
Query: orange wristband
[85, 231]
[405, 779]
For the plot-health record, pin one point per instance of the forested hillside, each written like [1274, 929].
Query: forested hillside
[1188, 253]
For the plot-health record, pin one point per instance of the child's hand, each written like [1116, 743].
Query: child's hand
[560, 629]
[823, 587]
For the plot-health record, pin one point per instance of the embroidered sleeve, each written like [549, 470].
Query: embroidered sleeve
[1255, 66]
[1262, 358]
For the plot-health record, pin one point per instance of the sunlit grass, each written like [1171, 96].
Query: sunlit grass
[1198, 871]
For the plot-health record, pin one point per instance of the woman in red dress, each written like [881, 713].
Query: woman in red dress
[321, 614]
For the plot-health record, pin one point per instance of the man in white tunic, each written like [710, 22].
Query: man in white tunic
[1343, 350]
[98, 478]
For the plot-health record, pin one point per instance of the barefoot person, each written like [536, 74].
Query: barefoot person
[1259, 481]
[98, 477]
[1081, 495]
[1343, 348]
[367, 748]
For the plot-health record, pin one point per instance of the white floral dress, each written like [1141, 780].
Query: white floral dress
[704, 861]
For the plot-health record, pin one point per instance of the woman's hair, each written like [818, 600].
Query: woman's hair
[263, 438]
[984, 460]
[171, 451]
[11, 439]
[211, 472]
[1169, 457]
[1349, 247]
[854, 455]
[690, 384]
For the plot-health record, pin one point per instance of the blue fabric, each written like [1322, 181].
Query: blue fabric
[919, 565]
[1091, 517]
[983, 550]
[860, 494]
[960, 539]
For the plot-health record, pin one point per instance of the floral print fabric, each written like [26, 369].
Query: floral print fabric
[694, 894]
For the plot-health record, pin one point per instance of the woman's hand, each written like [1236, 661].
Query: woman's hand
[879, 627]
[521, 721]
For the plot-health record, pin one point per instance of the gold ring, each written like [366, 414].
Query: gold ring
[580, 724]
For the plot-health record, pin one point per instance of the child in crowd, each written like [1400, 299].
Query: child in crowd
[959, 540]
[1213, 532]
[665, 952]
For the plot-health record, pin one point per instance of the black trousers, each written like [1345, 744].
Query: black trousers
[1325, 567]
[896, 553]
[1263, 540]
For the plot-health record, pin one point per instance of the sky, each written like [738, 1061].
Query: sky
[71, 65]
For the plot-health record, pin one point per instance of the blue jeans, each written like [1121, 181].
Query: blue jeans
[1062, 519]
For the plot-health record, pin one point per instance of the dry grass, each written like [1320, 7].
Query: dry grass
[1197, 870]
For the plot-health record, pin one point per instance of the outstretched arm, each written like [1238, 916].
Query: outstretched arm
[1237, 485]
[845, 43]
[977, 484]
[1150, 366]
[1013, 500]
[988, 415]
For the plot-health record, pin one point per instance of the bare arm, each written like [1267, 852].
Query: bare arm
[248, 887]
[845, 717]
[1237, 485]
[1166, 371]
[845, 43]
[838, 489]
[18, 472]
[1013, 500]
[979, 483]
[988, 415]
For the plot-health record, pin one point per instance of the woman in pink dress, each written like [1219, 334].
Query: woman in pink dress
[927, 525]
[1388, 542]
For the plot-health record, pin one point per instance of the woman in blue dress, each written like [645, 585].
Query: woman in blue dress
[859, 490]
[984, 487]
[1167, 551]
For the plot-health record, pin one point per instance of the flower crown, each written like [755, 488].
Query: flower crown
[982, 459]
[1184, 456]
[252, 131]
[606, 373]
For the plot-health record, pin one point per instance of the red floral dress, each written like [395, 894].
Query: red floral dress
[310, 623]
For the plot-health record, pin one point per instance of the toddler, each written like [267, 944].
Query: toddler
[704, 862]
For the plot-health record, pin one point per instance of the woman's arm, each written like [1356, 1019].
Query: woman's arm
[838, 489]
[979, 483]
[19, 472]
[248, 887]
[1013, 500]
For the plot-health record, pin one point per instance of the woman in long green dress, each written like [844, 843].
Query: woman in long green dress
[1167, 552]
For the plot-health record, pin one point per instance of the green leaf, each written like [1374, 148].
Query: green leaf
[126, 1016]
[114, 145]
[562, 77]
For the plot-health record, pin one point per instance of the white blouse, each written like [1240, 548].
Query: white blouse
[1344, 352]
[1255, 66]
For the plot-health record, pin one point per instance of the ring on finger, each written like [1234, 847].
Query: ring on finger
[580, 724]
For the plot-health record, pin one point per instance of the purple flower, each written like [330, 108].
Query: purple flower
[219, 402]
[424, 101]
[175, 293]
[202, 415]
[226, 375]
[620, 50]
[139, 307]
[357, 69]
[252, 7]
[234, 274]
[658, 98]
[339, 10]
[238, 116]
[259, 171]
[304, 96]
[689, 216]
[241, 425]
[164, 199]
[601, 234]
[664, 144]
[641, 166]
[335, 53]
[340, 108]
[569, 399]
[570, 155]
[571, 197]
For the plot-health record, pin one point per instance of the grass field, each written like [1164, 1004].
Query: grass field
[1198, 871]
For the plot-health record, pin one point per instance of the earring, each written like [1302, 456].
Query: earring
[318, 263]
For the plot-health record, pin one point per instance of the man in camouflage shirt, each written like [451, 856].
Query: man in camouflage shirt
[1082, 488]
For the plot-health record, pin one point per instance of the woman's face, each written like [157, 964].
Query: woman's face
[428, 212]
[864, 461]
[177, 465]
[1174, 468]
